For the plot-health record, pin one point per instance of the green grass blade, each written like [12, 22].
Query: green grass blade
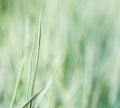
[42, 92]
[17, 83]
[37, 56]
[40, 96]
[33, 97]
[30, 67]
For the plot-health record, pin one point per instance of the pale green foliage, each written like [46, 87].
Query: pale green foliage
[83, 34]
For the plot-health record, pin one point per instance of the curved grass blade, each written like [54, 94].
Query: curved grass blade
[42, 92]
[33, 97]
[40, 96]
[37, 57]
[30, 67]
[17, 83]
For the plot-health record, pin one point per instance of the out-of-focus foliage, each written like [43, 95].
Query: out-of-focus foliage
[84, 34]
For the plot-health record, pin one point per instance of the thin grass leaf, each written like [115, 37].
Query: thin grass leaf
[42, 92]
[17, 83]
[37, 57]
[41, 95]
[30, 67]
[33, 97]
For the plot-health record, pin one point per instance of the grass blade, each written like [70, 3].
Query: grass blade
[48, 84]
[30, 67]
[39, 94]
[33, 97]
[37, 58]
[17, 83]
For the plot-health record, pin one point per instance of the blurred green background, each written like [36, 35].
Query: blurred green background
[83, 34]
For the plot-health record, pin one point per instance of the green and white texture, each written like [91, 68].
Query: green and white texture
[79, 58]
